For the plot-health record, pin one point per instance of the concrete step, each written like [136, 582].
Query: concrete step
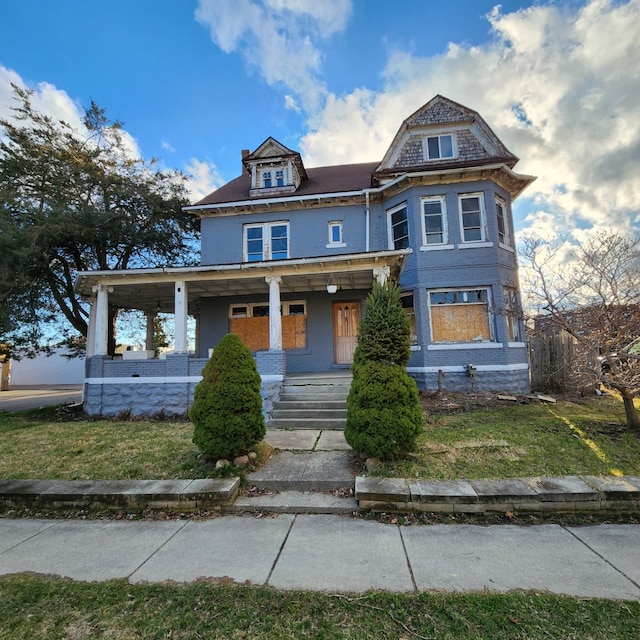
[337, 502]
[295, 393]
[291, 405]
[307, 423]
[285, 413]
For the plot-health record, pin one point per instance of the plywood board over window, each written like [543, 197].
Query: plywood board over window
[254, 331]
[460, 323]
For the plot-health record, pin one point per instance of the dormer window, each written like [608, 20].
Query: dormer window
[280, 178]
[266, 179]
[439, 147]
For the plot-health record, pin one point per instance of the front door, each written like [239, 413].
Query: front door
[346, 316]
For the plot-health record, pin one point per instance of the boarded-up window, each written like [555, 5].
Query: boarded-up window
[253, 330]
[460, 316]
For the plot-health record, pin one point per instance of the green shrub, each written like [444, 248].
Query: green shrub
[384, 333]
[227, 407]
[384, 417]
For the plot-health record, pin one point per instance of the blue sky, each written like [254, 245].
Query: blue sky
[196, 81]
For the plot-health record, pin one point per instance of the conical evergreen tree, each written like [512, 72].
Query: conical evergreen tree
[227, 407]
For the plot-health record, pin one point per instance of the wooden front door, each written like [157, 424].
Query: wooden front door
[346, 316]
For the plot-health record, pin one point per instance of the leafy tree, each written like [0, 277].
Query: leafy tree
[384, 416]
[227, 406]
[74, 200]
[595, 297]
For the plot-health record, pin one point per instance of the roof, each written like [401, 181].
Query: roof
[333, 179]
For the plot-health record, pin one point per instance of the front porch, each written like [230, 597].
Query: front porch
[140, 384]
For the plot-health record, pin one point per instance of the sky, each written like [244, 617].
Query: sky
[197, 81]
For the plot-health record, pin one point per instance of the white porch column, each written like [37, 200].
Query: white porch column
[180, 345]
[101, 341]
[91, 327]
[275, 317]
[381, 274]
[148, 345]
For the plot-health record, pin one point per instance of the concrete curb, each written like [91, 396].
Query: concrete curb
[518, 495]
[181, 495]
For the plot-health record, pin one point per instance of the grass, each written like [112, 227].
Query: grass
[48, 444]
[45, 608]
[521, 440]
[505, 440]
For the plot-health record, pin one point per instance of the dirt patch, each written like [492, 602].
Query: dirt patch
[447, 403]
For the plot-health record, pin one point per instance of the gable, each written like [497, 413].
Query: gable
[443, 134]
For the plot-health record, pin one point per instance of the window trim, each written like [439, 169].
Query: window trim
[490, 315]
[285, 307]
[438, 136]
[507, 240]
[266, 240]
[335, 224]
[390, 239]
[483, 218]
[427, 246]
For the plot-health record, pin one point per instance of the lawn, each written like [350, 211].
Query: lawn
[482, 437]
[464, 436]
[44, 608]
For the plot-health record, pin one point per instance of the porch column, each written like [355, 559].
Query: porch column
[91, 327]
[381, 274]
[275, 317]
[101, 341]
[151, 316]
[180, 344]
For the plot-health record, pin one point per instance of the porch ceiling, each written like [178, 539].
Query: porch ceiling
[154, 289]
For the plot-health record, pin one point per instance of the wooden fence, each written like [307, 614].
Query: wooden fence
[559, 363]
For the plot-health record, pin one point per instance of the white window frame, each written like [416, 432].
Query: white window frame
[335, 224]
[483, 219]
[440, 344]
[504, 237]
[438, 137]
[266, 240]
[390, 238]
[246, 310]
[513, 316]
[430, 246]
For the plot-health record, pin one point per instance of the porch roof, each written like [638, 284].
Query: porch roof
[153, 289]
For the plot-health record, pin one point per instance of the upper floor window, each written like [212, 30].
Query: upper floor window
[266, 179]
[472, 220]
[440, 147]
[398, 227]
[268, 241]
[434, 218]
[335, 234]
[504, 237]
[280, 178]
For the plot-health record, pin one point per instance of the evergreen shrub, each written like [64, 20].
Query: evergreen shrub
[227, 406]
[384, 417]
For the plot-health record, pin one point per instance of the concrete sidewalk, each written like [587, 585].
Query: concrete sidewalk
[19, 398]
[332, 553]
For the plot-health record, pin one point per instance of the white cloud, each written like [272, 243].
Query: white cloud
[278, 38]
[203, 178]
[560, 88]
[168, 146]
[56, 104]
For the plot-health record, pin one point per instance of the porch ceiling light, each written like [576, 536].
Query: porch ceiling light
[332, 287]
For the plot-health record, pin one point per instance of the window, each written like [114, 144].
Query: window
[460, 315]
[269, 241]
[512, 314]
[504, 237]
[266, 179]
[398, 227]
[406, 299]
[280, 178]
[434, 221]
[440, 147]
[250, 322]
[472, 218]
[335, 233]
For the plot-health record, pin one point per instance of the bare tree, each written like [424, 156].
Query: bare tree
[595, 297]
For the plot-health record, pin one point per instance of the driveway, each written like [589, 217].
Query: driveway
[19, 397]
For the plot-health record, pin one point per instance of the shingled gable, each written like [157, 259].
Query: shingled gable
[475, 143]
